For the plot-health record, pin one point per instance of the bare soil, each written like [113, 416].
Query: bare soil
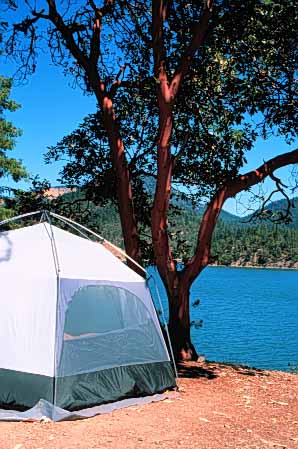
[219, 406]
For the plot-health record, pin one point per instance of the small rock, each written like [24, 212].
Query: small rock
[204, 419]
[278, 403]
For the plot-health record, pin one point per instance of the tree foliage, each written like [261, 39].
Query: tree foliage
[9, 166]
[246, 67]
[183, 88]
[240, 86]
[8, 134]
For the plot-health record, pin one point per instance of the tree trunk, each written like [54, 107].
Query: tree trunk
[179, 327]
[178, 294]
[122, 177]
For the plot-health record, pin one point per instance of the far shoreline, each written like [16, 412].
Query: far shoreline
[253, 267]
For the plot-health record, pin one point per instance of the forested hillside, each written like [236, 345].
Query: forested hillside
[242, 243]
[236, 241]
[260, 244]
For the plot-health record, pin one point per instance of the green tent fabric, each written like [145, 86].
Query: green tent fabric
[78, 326]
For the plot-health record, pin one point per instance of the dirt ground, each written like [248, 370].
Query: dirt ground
[218, 407]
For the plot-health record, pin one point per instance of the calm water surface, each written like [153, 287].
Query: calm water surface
[250, 316]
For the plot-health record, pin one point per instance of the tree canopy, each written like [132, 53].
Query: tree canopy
[183, 88]
[240, 86]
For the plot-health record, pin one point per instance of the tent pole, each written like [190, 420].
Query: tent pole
[54, 247]
[56, 261]
[69, 222]
[75, 228]
[102, 239]
[166, 327]
[18, 217]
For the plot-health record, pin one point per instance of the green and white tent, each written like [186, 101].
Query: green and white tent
[78, 327]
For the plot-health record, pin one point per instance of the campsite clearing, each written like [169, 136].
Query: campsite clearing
[219, 407]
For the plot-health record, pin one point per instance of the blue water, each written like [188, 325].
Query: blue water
[250, 316]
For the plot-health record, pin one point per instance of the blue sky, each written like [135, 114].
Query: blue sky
[51, 108]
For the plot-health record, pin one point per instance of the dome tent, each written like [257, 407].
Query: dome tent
[78, 326]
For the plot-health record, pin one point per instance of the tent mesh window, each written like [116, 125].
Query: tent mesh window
[110, 341]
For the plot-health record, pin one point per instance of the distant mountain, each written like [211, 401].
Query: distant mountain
[182, 201]
[227, 217]
[274, 207]
[235, 242]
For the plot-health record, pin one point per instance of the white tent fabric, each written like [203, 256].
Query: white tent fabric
[94, 262]
[78, 328]
[44, 411]
[57, 263]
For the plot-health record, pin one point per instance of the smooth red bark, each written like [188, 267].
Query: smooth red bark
[177, 283]
[229, 190]
[89, 65]
[179, 304]
[167, 91]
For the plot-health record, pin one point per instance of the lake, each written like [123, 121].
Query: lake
[250, 316]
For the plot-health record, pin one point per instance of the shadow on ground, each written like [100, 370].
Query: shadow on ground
[211, 370]
[243, 369]
[193, 370]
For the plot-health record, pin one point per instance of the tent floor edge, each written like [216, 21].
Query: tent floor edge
[19, 390]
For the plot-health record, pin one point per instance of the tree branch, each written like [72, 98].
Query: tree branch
[242, 182]
[66, 33]
[99, 13]
[118, 156]
[159, 222]
[139, 28]
[159, 14]
[199, 36]
[165, 162]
